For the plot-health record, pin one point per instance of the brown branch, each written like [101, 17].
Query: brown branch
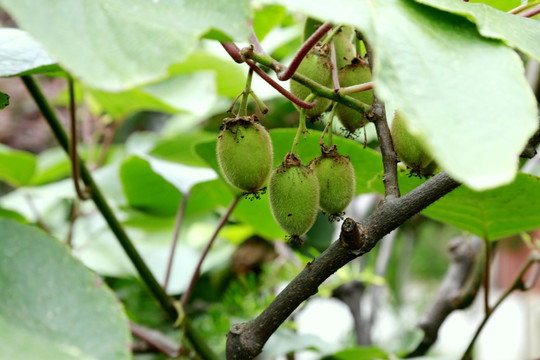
[287, 73]
[456, 291]
[246, 340]
[177, 226]
[378, 117]
[530, 13]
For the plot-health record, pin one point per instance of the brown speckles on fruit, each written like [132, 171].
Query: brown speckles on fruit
[244, 153]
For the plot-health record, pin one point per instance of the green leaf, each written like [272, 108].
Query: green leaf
[53, 308]
[16, 167]
[180, 148]
[116, 45]
[519, 32]
[492, 214]
[230, 77]
[147, 191]
[181, 93]
[266, 18]
[456, 89]
[13, 215]
[4, 100]
[21, 54]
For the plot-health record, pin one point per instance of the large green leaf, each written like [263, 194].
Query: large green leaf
[53, 308]
[492, 214]
[180, 148]
[147, 191]
[517, 31]
[456, 89]
[21, 54]
[16, 167]
[117, 44]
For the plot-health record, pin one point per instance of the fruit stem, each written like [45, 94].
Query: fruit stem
[246, 92]
[524, 7]
[530, 13]
[329, 126]
[331, 34]
[262, 106]
[301, 126]
[333, 61]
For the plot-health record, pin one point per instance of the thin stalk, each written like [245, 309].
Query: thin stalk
[517, 284]
[246, 92]
[333, 61]
[177, 227]
[330, 122]
[303, 51]
[196, 339]
[301, 126]
[530, 13]
[487, 276]
[331, 34]
[82, 193]
[523, 7]
[356, 88]
[185, 296]
[262, 106]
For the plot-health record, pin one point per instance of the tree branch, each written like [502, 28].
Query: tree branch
[246, 340]
[456, 291]
[378, 117]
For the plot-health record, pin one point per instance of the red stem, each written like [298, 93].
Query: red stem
[531, 12]
[302, 52]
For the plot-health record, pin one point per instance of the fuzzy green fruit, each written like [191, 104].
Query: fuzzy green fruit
[410, 149]
[244, 153]
[337, 181]
[344, 46]
[356, 73]
[316, 65]
[293, 192]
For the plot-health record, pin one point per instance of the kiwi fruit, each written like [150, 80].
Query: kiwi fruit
[357, 72]
[344, 46]
[293, 191]
[410, 149]
[244, 153]
[337, 181]
[316, 65]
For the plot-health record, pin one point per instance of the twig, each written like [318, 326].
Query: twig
[456, 291]
[245, 340]
[523, 7]
[316, 88]
[518, 284]
[351, 295]
[82, 193]
[156, 340]
[109, 133]
[177, 227]
[255, 42]
[301, 127]
[356, 88]
[185, 296]
[378, 117]
[333, 61]
[530, 13]
[487, 276]
[247, 90]
[196, 339]
[287, 73]
[73, 215]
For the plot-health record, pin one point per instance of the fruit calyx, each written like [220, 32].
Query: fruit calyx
[291, 160]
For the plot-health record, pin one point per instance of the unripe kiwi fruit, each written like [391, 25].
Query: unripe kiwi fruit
[411, 150]
[293, 191]
[244, 153]
[337, 181]
[357, 72]
[344, 46]
[316, 65]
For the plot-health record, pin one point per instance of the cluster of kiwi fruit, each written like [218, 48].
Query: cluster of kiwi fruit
[297, 191]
